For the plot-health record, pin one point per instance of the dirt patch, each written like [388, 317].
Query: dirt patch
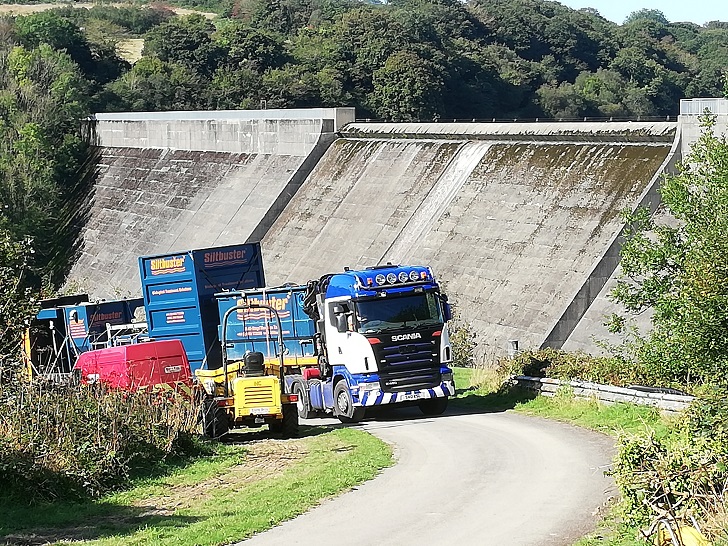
[25, 9]
[131, 49]
[263, 459]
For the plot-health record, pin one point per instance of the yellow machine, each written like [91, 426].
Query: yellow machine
[668, 532]
[250, 392]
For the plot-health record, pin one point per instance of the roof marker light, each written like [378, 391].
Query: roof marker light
[381, 279]
[413, 276]
[391, 278]
[403, 276]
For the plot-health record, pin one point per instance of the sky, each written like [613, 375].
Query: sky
[695, 11]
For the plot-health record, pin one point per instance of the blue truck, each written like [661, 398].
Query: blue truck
[68, 326]
[353, 340]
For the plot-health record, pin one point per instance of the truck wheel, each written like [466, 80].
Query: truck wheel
[290, 421]
[344, 406]
[303, 407]
[215, 421]
[433, 406]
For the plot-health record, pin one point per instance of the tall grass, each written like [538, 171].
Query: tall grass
[63, 441]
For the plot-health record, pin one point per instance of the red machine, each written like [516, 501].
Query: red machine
[157, 365]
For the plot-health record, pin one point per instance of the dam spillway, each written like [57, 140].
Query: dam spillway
[514, 225]
[514, 218]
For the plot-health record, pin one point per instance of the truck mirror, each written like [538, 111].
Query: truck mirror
[338, 310]
[446, 311]
[341, 322]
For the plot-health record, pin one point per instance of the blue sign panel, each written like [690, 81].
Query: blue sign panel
[179, 290]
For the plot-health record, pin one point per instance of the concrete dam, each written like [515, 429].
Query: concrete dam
[521, 221]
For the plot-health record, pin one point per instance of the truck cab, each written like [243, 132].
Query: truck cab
[384, 334]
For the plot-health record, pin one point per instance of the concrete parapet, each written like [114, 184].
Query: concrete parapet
[280, 132]
[620, 131]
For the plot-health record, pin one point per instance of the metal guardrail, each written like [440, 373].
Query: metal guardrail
[696, 107]
[606, 393]
[527, 120]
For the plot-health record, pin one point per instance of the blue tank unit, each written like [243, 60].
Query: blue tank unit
[179, 294]
[256, 329]
[86, 323]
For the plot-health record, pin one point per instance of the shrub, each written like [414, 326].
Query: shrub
[564, 365]
[684, 472]
[66, 442]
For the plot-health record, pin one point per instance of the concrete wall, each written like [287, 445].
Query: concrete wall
[514, 225]
[691, 111]
[581, 326]
[166, 184]
[521, 221]
[279, 132]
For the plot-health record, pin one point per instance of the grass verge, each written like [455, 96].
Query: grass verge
[214, 500]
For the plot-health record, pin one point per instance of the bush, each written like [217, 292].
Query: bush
[65, 442]
[564, 365]
[684, 472]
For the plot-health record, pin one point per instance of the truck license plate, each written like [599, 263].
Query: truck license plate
[260, 411]
[408, 396]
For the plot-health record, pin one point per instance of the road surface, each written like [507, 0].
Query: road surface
[500, 479]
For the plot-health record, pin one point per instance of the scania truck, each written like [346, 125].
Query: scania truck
[354, 340]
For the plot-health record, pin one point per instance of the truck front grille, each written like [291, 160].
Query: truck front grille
[409, 380]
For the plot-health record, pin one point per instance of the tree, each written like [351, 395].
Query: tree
[679, 270]
[248, 47]
[186, 41]
[647, 14]
[47, 27]
[407, 88]
[153, 84]
[16, 298]
[42, 99]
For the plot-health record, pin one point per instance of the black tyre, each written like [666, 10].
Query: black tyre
[433, 406]
[344, 408]
[276, 427]
[303, 406]
[215, 421]
[290, 421]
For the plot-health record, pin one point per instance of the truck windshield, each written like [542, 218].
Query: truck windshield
[394, 313]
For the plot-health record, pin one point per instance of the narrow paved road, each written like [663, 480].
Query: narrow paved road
[499, 479]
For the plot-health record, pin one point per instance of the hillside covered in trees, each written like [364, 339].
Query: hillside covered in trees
[404, 60]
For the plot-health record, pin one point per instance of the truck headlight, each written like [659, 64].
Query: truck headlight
[447, 376]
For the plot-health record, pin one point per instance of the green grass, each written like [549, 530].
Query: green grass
[588, 413]
[333, 462]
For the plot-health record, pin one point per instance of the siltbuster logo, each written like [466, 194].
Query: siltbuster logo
[166, 266]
